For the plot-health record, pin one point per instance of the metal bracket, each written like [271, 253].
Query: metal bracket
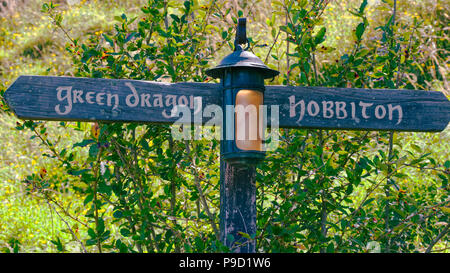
[241, 34]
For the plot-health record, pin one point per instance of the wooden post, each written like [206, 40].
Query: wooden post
[238, 207]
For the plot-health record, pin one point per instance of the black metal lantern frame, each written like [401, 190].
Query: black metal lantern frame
[240, 70]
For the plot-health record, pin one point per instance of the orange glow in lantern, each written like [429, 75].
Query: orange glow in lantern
[247, 119]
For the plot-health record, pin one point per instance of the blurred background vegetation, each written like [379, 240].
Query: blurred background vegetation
[32, 44]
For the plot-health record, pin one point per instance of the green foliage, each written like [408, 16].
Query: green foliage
[135, 176]
[139, 190]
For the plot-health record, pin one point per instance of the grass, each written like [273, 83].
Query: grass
[31, 45]
[30, 36]
[23, 217]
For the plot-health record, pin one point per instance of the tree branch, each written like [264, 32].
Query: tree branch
[440, 235]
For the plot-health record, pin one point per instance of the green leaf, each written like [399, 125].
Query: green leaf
[125, 232]
[445, 209]
[187, 5]
[118, 214]
[330, 248]
[447, 164]
[93, 150]
[83, 143]
[444, 180]
[105, 235]
[399, 212]
[58, 244]
[92, 233]
[360, 30]
[108, 39]
[416, 147]
[88, 199]
[349, 189]
[91, 242]
[302, 3]
[320, 37]
[79, 172]
[362, 7]
[104, 188]
[121, 246]
[45, 8]
[144, 144]
[245, 235]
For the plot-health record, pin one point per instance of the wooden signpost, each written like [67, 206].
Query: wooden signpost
[112, 100]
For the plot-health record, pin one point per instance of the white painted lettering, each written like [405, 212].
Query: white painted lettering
[399, 110]
[327, 109]
[134, 96]
[158, 101]
[364, 107]
[340, 108]
[145, 100]
[110, 97]
[171, 100]
[379, 115]
[182, 100]
[316, 107]
[356, 119]
[99, 98]
[66, 97]
[77, 96]
[293, 105]
[90, 97]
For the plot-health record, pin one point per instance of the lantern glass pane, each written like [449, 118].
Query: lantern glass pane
[247, 120]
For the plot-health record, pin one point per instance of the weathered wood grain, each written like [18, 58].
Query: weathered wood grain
[36, 97]
[421, 110]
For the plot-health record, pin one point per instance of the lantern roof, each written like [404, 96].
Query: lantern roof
[242, 59]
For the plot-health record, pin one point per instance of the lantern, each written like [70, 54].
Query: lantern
[242, 77]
